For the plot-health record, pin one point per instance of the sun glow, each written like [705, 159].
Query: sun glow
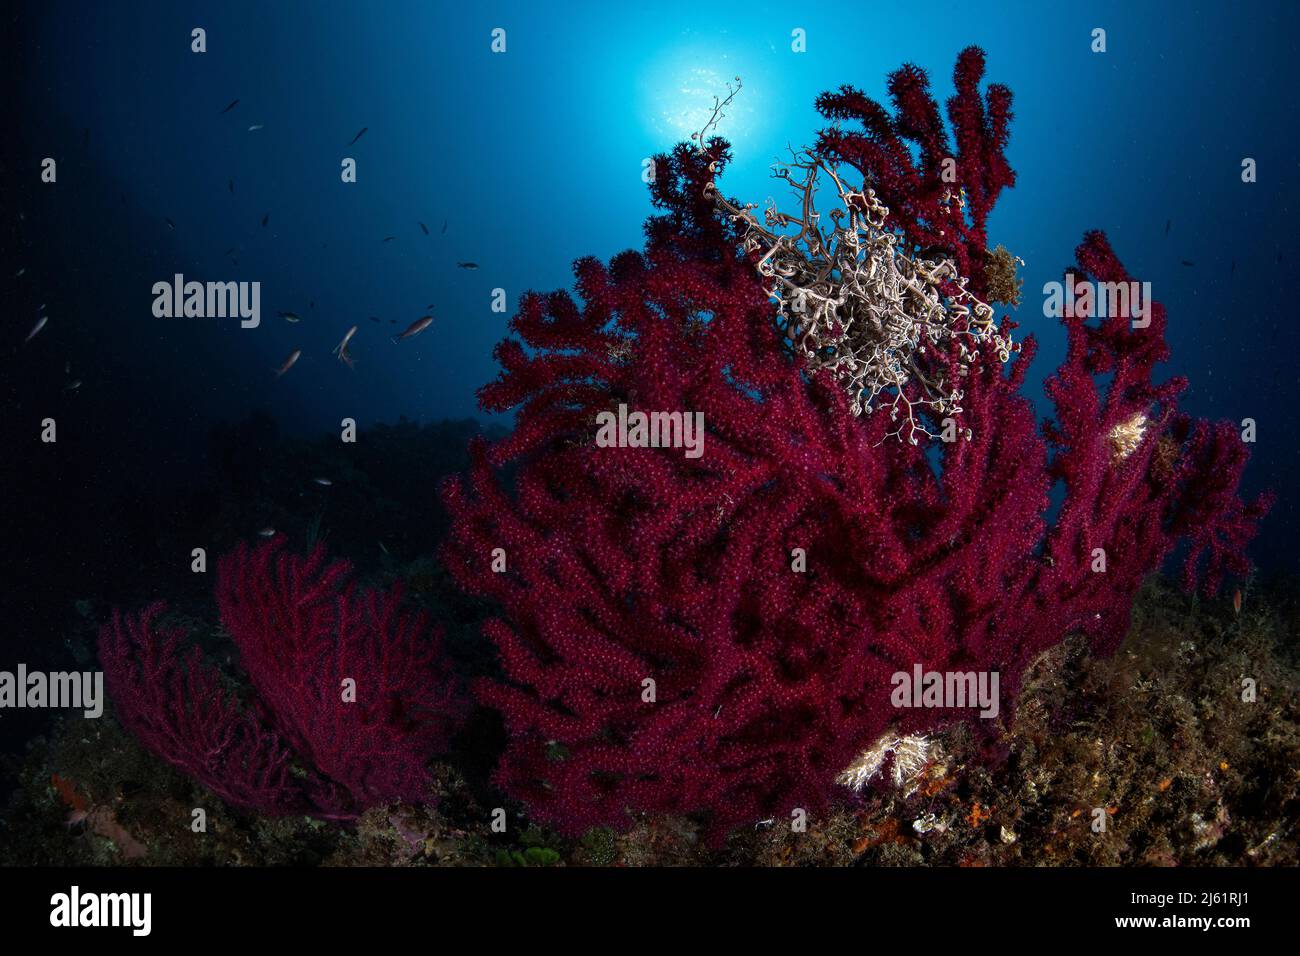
[679, 92]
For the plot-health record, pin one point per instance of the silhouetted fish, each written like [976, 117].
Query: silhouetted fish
[265, 219]
[389, 238]
[415, 328]
[444, 225]
[341, 350]
[290, 316]
[232, 187]
[359, 135]
[1189, 264]
[288, 363]
[1168, 223]
[375, 318]
[229, 251]
[425, 228]
[255, 127]
[170, 224]
[233, 104]
[1233, 270]
[40, 324]
[467, 265]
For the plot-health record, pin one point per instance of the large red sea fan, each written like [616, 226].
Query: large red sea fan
[717, 635]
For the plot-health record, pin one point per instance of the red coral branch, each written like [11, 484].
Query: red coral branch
[308, 744]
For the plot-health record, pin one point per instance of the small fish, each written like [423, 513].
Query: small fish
[42, 308]
[229, 252]
[265, 220]
[415, 328]
[233, 104]
[1233, 270]
[1168, 223]
[1191, 265]
[311, 304]
[20, 272]
[67, 368]
[323, 482]
[341, 350]
[389, 238]
[467, 265]
[1236, 600]
[288, 363]
[444, 226]
[375, 318]
[73, 386]
[231, 184]
[290, 316]
[267, 533]
[170, 224]
[255, 127]
[424, 227]
[383, 549]
[40, 324]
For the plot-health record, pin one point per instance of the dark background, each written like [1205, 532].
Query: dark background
[530, 159]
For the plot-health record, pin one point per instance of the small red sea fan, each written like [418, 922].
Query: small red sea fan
[352, 694]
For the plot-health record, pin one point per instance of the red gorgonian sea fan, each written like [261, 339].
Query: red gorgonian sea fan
[351, 693]
[635, 564]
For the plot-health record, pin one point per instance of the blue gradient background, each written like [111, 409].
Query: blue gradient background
[534, 158]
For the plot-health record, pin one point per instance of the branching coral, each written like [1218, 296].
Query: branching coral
[768, 591]
[352, 700]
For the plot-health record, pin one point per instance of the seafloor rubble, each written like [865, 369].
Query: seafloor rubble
[1156, 737]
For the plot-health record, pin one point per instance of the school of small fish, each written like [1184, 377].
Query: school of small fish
[341, 351]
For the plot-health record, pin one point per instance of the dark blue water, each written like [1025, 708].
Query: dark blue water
[533, 157]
